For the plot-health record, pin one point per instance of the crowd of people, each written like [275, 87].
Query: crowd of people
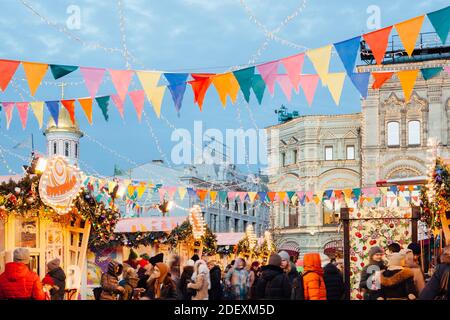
[392, 274]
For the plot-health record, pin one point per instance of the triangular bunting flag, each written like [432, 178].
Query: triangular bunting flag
[347, 194]
[282, 196]
[103, 103]
[70, 107]
[393, 189]
[138, 99]
[231, 195]
[294, 66]
[141, 189]
[200, 85]
[59, 71]
[155, 94]
[407, 80]
[86, 104]
[53, 108]
[286, 85]
[244, 78]
[262, 196]
[348, 51]
[447, 69]
[9, 107]
[408, 31]
[226, 85]
[92, 78]
[22, 107]
[38, 110]
[428, 73]
[378, 42]
[338, 194]
[242, 195]
[212, 196]
[335, 83]
[309, 196]
[119, 103]
[171, 192]
[328, 194]
[177, 87]
[258, 87]
[121, 80]
[162, 194]
[268, 72]
[361, 82]
[252, 196]
[223, 196]
[383, 190]
[7, 70]
[271, 196]
[357, 192]
[377, 200]
[202, 194]
[380, 78]
[182, 192]
[440, 20]
[302, 199]
[34, 72]
[320, 59]
[309, 83]
[290, 194]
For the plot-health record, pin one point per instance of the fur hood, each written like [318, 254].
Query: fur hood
[391, 278]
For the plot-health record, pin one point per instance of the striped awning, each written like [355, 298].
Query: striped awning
[333, 247]
[289, 246]
[229, 238]
[148, 224]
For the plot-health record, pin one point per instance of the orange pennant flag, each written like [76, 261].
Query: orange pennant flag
[378, 42]
[347, 193]
[271, 196]
[202, 194]
[380, 78]
[70, 106]
[213, 196]
[411, 188]
[338, 193]
[200, 85]
[86, 104]
[408, 31]
[34, 73]
[226, 85]
[407, 80]
[7, 70]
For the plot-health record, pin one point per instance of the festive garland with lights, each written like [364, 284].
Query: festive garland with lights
[183, 233]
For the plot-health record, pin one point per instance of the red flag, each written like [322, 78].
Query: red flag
[200, 85]
[70, 106]
[380, 78]
[378, 42]
[7, 70]
[271, 196]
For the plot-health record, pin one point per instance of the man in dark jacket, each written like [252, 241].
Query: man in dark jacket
[18, 281]
[273, 284]
[433, 288]
[58, 277]
[334, 282]
[215, 274]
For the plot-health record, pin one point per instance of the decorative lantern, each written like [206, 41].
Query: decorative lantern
[197, 222]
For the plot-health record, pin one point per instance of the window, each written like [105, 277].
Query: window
[227, 224]
[66, 149]
[227, 203]
[76, 150]
[245, 208]
[245, 226]
[393, 133]
[283, 159]
[236, 225]
[236, 206]
[328, 153]
[294, 156]
[350, 152]
[331, 213]
[414, 132]
[54, 147]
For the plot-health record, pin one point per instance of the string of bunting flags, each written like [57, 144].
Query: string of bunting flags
[254, 79]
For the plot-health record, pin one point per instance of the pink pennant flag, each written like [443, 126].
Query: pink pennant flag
[162, 193]
[92, 78]
[121, 80]
[365, 191]
[231, 195]
[138, 98]
[268, 72]
[294, 66]
[171, 191]
[309, 195]
[447, 68]
[242, 195]
[309, 83]
[119, 103]
[374, 191]
[286, 85]
[8, 106]
[22, 107]
[300, 194]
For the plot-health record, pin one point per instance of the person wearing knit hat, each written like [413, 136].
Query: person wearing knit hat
[156, 259]
[18, 281]
[397, 281]
[110, 282]
[161, 286]
[132, 260]
[195, 257]
[58, 279]
[288, 266]
[273, 283]
[370, 274]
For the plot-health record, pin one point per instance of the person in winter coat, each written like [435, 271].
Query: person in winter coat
[313, 282]
[215, 274]
[132, 260]
[410, 262]
[183, 292]
[274, 283]
[288, 267]
[254, 274]
[238, 280]
[18, 281]
[397, 281]
[174, 267]
[131, 281]
[201, 281]
[110, 282]
[334, 282]
[433, 288]
[161, 286]
[370, 274]
[56, 278]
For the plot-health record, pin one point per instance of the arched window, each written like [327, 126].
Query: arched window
[236, 206]
[393, 133]
[54, 147]
[76, 150]
[245, 207]
[227, 203]
[66, 149]
[414, 132]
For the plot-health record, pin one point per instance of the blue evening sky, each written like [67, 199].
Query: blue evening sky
[185, 36]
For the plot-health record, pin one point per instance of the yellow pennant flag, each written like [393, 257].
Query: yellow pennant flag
[316, 199]
[282, 195]
[294, 199]
[182, 192]
[226, 85]
[252, 196]
[131, 190]
[141, 189]
[320, 59]
[347, 193]
[383, 190]
[408, 31]
[111, 186]
[320, 195]
[212, 196]
[407, 80]
[155, 94]
[38, 110]
[143, 228]
[34, 73]
[335, 83]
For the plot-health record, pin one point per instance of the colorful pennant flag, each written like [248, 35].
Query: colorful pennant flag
[309, 83]
[447, 69]
[53, 108]
[22, 107]
[320, 59]
[262, 196]
[268, 72]
[34, 73]
[182, 192]
[70, 107]
[200, 85]
[92, 78]
[223, 196]
[9, 107]
[103, 103]
[380, 78]
[38, 110]
[212, 196]
[440, 20]
[348, 51]
[378, 42]
[138, 97]
[407, 80]
[59, 70]
[155, 94]
[258, 87]
[86, 104]
[226, 85]
[177, 87]
[335, 83]
[408, 31]
[252, 196]
[361, 82]
[428, 73]
[7, 70]
[271, 196]
[244, 78]
[286, 85]
[121, 80]
[119, 104]
[294, 67]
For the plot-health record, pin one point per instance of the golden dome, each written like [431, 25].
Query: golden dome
[64, 123]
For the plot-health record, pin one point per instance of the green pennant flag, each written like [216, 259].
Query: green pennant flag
[118, 171]
[428, 73]
[244, 78]
[377, 200]
[290, 194]
[258, 86]
[223, 196]
[59, 70]
[103, 103]
[357, 192]
[441, 22]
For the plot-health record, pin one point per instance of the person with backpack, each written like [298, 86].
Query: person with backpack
[56, 279]
[274, 283]
[313, 282]
[334, 281]
[437, 287]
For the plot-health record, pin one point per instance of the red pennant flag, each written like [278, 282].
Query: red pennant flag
[378, 42]
[380, 78]
[201, 194]
[70, 107]
[22, 107]
[271, 196]
[338, 194]
[200, 85]
[7, 70]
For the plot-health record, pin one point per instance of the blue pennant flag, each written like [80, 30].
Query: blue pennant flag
[53, 108]
[262, 196]
[361, 82]
[393, 189]
[348, 51]
[177, 87]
